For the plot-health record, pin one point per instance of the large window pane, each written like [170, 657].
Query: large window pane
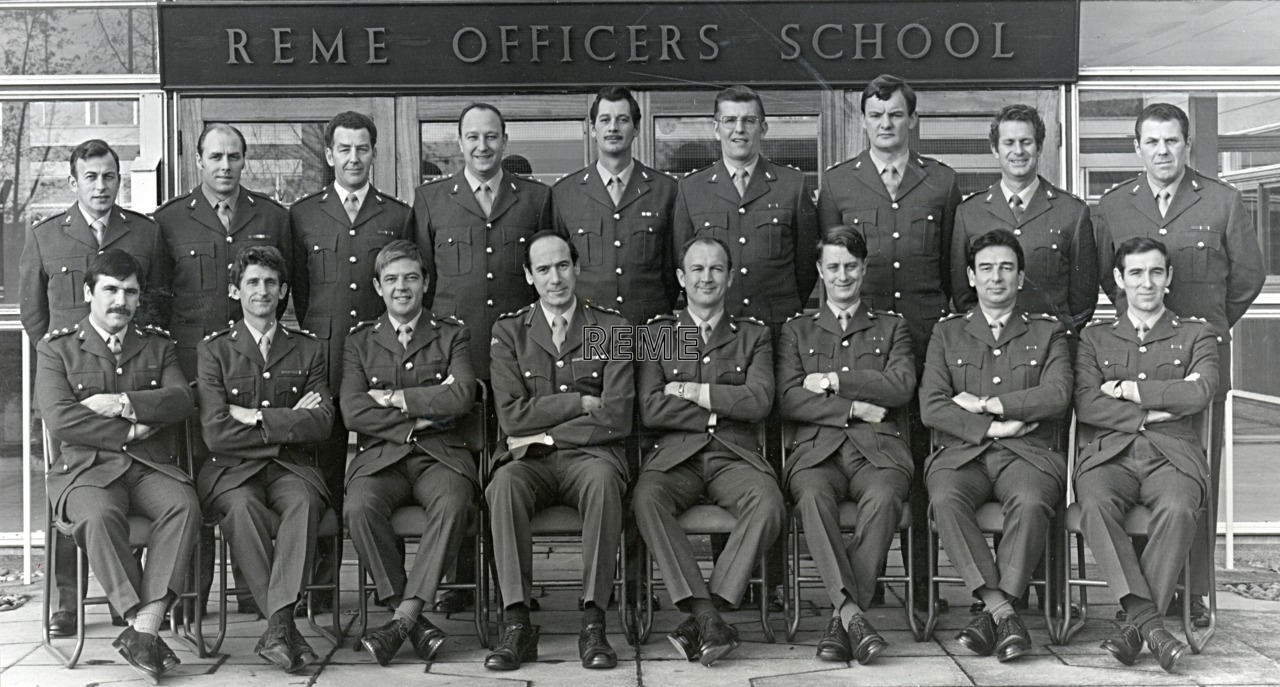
[685, 144]
[1169, 33]
[545, 150]
[961, 143]
[40, 42]
[286, 160]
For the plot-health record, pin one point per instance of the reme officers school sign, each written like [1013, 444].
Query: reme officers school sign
[535, 46]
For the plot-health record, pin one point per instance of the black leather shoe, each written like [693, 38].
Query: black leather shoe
[519, 644]
[303, 654]
[1012, 638]
[1199, 612]
[383, 642]
[979, 636]
[426, 639]
[248, 606]
[834, 645]
[864, 641]
[165, 658]
[454, 600]
[1166, 648]
[62, 624]
[139, 650]
[275, 645]
[718, 638]
[686, 640]
[320, 602]
[1124, 645]
[594, 648]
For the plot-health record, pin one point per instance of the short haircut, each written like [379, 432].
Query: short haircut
[116, 264]
[94, 147]
[482, 106]
[1018, 113]
[220, 126]
[706, 241]
[993, 238]
[1139, 244]
[547, 234]
[400, 249]
[883, 87]
[615, 94]
[350, 120]
[738, 94]
[845, 237]
[1163, 112]
[264, 256]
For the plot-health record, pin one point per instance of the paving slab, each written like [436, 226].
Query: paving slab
[1050, 671]
[885, 672]
[730, 671]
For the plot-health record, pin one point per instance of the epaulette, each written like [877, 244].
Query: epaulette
[663, 318]
[298, 330]
[41, 220]
[135, 213]
[528, 178]
[1200, 320]
[889, 313]
[1100, 320]
[601, 308]
[747, 319]
[968, 196]
[1119, 184]
[261, 196]
[1050, 190]
[796, 316]
[522, 311]
[154, 331]
[364, 324]
[311, 195]
[436, 180]
[174, 201]
[383, 197]
[1215, 180]
[699, 170]
[216, 334]
[59, 333]
[841, 164]
[455, 321]
[952, 316]
[1043, 316]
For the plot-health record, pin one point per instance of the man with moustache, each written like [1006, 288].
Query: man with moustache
[114, 398]
[406, 381]
[337, 233]
[55, 258]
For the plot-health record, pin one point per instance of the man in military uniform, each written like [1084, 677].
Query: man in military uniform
[565, 414]
[618, 214]
[264, 399]
[114, 398]
[845, 373]
[904, 206]
[51, 272]
[1213, 248]
[995, 384]
[406, 380]
[1052, 225]
[1141, 382]
[337, 233]
[704, 410]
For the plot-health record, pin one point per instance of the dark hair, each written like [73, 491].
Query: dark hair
[93, 147]
[706, 241]
[1018, 113]
[1139, 244]
[116, 264]
[845, 237]
[615, 94]
[1163, 112]
[883, 87]
[482, 106]
[738, 94]
[265, 256]
[220, 126]
[398, 250]
[546, 234]
[993, 238]
[350, 120]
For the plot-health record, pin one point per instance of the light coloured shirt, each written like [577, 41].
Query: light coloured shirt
[397, 324]
[342, 193]
[257, 335]
[568, 315]
[1156, 188]
[474, 181]
[1149, 321]
[1025, 194]
[126, 406]
[750, 167]
[624, 176]
[851, 310]
[90, 219]
[898, 161]
[704, 390]
[1002, 319]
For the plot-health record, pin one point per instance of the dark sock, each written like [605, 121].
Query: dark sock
[592, 614]
[1142, 613]
[518, 613]
[703, 607]
[685, 605]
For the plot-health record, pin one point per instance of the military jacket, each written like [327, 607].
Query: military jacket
[1172, 351]
[736, 361]
[908, 239]
[1061, 257]
[233, 372]
[440, 348]
[1028, 369]
[477, 262]
[626, 252]
[873, 362]
[771, 231]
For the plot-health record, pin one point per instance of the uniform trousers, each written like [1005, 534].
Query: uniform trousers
[1028, 497]
[274, 570]
[749, 493]
[331, 457]
[1141, 475]
[522, 487]
[849, 572]
[449, 500]
[100, 525]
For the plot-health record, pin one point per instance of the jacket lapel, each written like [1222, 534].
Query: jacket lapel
[246, 210]
[864, 169]
[424, 333]
[117, 226]
[1188, 194]
[912, 174]
[1041, 202]
[636, 187]
[593, 187]
[1163, 329]
[281, 345]
[460, 192]
[1144, 200]
[540, 330]
[997, 207]
[978, 327]
[505, 196]
[245, 345]
[74, 226]
[202, 212]
[370, 208]
[1015, 327]
[91, 343]
[725, 332]
[758, 182]
[332, 206]
[721, 183]
[384, 333]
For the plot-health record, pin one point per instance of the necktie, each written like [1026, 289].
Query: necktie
[1015, 203]
[740, 181]
[353, 207]
[1162, 199]
[100, 229]
[224, 215]
[615, 190]
[706, 332]
[558, 327]
[996, 328]
[844, 321]
[484, 196]
[1142, 331]
[264, 345]
[113, 345]
[890, 177]
[406, 334]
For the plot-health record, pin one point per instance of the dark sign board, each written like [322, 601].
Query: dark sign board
[535, 46]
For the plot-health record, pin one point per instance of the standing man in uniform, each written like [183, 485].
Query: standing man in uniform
[904, 205]
[337, 233]
[55, 257]
[618, 214]
[1141, 382]
[1213, 249]
[114, 399]
[996, 383]
[566, 415]
[845, 375]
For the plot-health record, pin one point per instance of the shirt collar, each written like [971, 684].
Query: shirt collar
[624, 176]
[714, 320]
[1173, 185]
[1150, 321]
[1026, 194]
[750, 167]
[899, 161]
[106, 335]
[361, 193]
[89, 219]
[1003, 319]
[851, 309]
[214, 199]
[257, 335]
[474, 182]
[397, 324]
[568, 316]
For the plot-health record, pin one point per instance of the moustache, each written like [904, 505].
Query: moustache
[119, 310]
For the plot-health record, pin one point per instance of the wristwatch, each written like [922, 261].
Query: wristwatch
[982, 404]
[386, 396]
[257, 418]
[1118, 390]
[825, 383]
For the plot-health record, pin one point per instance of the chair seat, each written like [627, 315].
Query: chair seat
[707, 519]
[1136, 522]
[328, 524]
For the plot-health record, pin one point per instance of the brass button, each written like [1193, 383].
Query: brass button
[617, 244]
[995, 380]
[266, 375]
[896, 235]
[741, 239]
[352, 259]
[617, 216]
[742, 211]
[559, 363]
[564, 387]
[408, 365]
[266, 404]
[1017, 232]
[618, 270]
[894, 206]
[1142, 375]
[354, 287]
[1142, 349]
[996, 352]
[1163, 232]
[619, 299]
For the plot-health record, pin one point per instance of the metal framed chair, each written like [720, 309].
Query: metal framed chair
[1136, 524]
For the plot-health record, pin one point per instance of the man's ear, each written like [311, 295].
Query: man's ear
[88, 295]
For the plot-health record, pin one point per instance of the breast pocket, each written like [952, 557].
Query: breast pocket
[712, 224]
[513, 240]
[1114, 364]
[585, 234]
[1025, 369]
[819, 358]
[453, 251]
[86, 384]
[240, 390]
[588, 376]
[1197, 251]
[431, 372]
[369, 245]
[644, 242]
[1050, 260]
[323, 259]
[864, 222]
[870, 355]
[382, 377]
[730, 372]
[538, 383]
[966, 371]
[66, 281]
[195, 268]
[772, 240]
[925, 234]
[289, 386]
[144, 377]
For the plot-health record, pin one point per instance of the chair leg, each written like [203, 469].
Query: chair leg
[362, 604]
[909, 565]
[646, 619]
[1198, 640]
[931, 620]
[620, 584]
[51, 563]
[793, 574]
[82, 562]
[335, 635]
[223, 562]
[485, 592]
[1046, 599]
[764, 598]
[192, 633]
[1070, 628]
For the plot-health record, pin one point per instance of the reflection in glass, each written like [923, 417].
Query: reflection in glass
[285, 160]
[962, 143]
[40, 42]
[686, 144]
[545, 150]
